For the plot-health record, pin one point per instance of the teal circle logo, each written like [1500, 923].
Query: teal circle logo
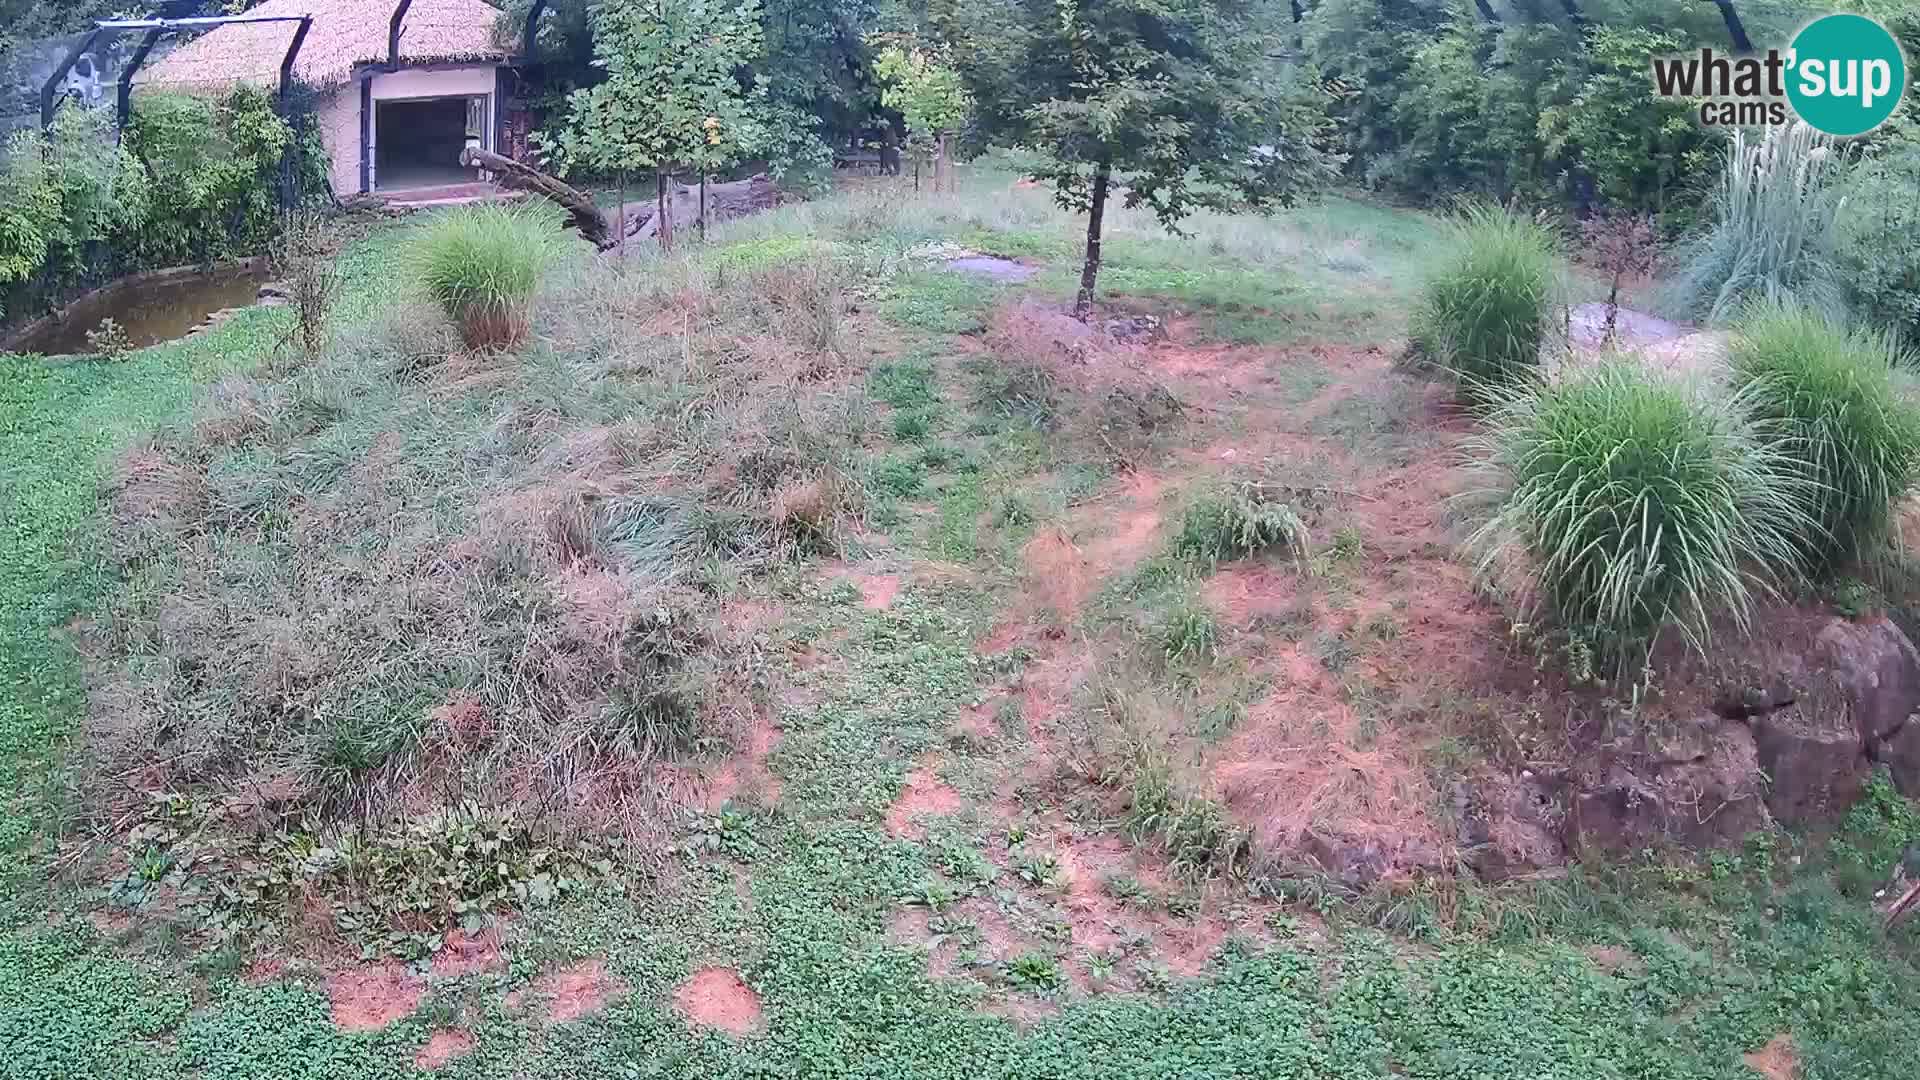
[1845, 74]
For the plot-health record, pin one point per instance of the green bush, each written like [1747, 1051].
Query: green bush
[1637, 503]
[480, 264]
[1483, 313]
[1239, 522]
[1882, 275]
[1773, 227]
[1826, 392]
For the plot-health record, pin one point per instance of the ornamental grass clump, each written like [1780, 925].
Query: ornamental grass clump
[1639, 504]
[480, 264]
[1483, 312]
[1827, 393]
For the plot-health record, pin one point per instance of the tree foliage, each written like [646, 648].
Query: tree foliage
[1176, 97]
[920, 83]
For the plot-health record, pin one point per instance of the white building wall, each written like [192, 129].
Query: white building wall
[340, 110]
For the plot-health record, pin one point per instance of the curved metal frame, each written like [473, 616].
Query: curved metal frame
[538, 9]
[155, 29]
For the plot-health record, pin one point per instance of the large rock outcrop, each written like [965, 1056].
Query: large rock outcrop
[1790, 727]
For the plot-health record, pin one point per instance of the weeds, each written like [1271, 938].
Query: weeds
[1825, 395]
[1483, 313]
[480, 264]
[306, 259]
[1239, 522]
[1635, 504]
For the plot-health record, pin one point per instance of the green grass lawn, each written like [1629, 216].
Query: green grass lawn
[961, 947]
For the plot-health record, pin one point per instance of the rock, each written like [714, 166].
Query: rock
[1814, 755]
[1509, 826]
[1352, 861]
[274, 290]
[1134, 328]
[1359, 862]
[1877, 667]
[1901, 754]
[1712, 801]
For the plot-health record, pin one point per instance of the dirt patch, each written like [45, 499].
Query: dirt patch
[467, 954]
[1778, 1060]
[1129, 526]
[1057, 574]
[1613, 958]
[370, 998]
[746, 772]
[877, 591]
[717, 997]
[442, 1047]
[577, 991]
[925, 795]
[262, 970]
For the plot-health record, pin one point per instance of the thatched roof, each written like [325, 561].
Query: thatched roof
[345, 33]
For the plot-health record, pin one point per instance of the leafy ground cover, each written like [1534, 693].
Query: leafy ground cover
[1035, 664]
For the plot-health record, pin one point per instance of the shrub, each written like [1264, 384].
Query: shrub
[1239, 522]
[1774, 213]
[480, 264]
[1483, 313]
[306, 260]
[1828, 392]
[1882, 278]
[1638, 503]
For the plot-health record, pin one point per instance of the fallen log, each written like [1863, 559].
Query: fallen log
[735, 198]
[582, 214]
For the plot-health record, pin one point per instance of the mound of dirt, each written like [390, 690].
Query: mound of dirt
[577, 991]
[442, 1047]
[925, 796]
[717, 997]
[371, 998]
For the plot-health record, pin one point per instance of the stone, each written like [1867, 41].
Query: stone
[274, 290]
[1356, 862]
[1901, 755]
[1814, 756]
[1133, 328]
[1877, 667]
[1715, 800]
[1509, 826]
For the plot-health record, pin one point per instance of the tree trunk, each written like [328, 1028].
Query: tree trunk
[663, 222]
[1299, 13]
[1487, 12]
[1090, 270]
[703, 208]
[1735, 28]
[511, 174]
[916, 174]
[621, 223]
[1575, 17]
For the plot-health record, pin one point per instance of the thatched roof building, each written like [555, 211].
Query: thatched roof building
[345, 34]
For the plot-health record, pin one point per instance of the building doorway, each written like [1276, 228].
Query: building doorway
[417, 143]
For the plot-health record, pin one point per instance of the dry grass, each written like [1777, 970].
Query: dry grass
[1089, 388]
[405, 576]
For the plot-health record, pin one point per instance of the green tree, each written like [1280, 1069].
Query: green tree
[1176, 99]
[920, 82]
[672, 97]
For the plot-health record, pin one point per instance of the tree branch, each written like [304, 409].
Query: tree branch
[582, 214]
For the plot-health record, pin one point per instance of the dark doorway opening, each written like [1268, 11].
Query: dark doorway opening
[418, 143]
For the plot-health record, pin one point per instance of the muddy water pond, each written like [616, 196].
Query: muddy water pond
[149, 308]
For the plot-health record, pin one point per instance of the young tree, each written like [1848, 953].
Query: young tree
[1176, 99]
[672, 97]
[920, 83]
